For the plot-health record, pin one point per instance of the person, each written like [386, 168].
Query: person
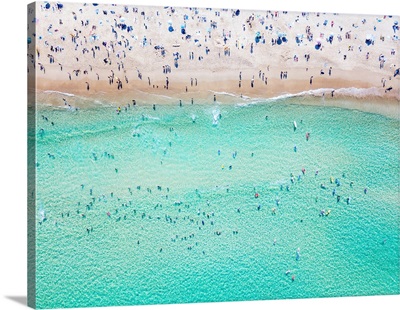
[215, 98]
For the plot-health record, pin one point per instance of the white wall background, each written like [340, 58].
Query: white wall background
[13, 149]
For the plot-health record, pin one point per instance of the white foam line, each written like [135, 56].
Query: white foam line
[58, 92]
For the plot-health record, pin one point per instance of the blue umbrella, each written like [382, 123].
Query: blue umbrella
[47, 6]
[170, 28]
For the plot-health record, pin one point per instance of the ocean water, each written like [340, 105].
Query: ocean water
[208, 202]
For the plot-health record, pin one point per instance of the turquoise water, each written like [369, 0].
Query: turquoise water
[148, 207]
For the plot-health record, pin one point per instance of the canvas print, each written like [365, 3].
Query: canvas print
[189, 154]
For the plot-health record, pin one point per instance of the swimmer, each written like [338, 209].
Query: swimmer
[298, 254]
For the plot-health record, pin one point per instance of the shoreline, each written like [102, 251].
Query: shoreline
[361, 99]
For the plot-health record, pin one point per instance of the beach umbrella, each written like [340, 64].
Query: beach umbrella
[95, 4]
[122, 19]
[59, 5]
[29, 40]
[237, 13]
[279, 41]
[170, 28]
[47, 6]
[169, 22]
[284, 39]
[369, 39]
[318, 45]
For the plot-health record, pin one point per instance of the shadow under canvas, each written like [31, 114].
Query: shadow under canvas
[18, 299]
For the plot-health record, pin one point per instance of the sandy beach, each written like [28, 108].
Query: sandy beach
[122, 53]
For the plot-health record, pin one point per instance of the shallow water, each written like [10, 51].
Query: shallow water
[202, 235]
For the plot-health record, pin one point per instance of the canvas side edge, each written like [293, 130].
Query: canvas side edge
[31, 155]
